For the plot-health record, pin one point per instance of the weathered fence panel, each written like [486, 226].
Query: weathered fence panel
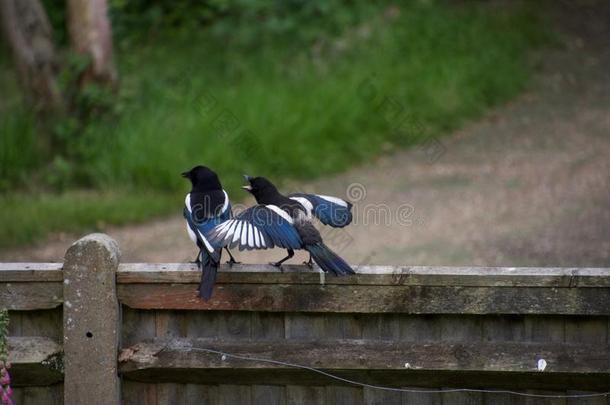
[80, 327]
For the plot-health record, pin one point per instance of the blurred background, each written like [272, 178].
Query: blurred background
[465, 133]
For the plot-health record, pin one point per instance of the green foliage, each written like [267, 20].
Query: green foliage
[18, 149]
[56, 11]
[4, 319]
[241, 22]
[287, 89]
[86, 103]
[26, 217]
[19, 152]
[303, 111]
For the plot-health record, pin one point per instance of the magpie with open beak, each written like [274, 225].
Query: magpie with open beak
[206, 206]
[286, 222]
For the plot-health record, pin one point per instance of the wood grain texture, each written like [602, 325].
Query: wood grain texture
[545, 401]
[477, 327]
[598, 400]
[426, 328]
[545, 329]
[586, 330]
[268, 395]
[371, 355]
[37, 365]
[235, 325]
[391, 378]
[380, 326]
[45, 323]
[14, 324]
[462, 398]
[304, 326]
[18, 395]
[30, 295]
[169, 394]
[503, 399]
[371, 299]
[419, 328]
[36, 285]
[462, 329]
[378, 397]
[169, 324]
[202, 323]
[339, 327]
[199, 394]
[133, 393]
[43, 395]
[268, 326]
[503, 328]
[30, 272]
[342, 395]
[136, 326]
[305, 395]
[229, 394]
[342, 326]
[372, 275]
[36, 361]
[421, 398]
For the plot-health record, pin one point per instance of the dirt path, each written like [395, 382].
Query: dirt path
[527, 185]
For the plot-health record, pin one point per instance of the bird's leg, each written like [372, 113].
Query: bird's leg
[231, 260]
[197, 260]
[279, 264]
[309, 263]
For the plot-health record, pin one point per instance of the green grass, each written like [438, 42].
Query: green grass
[297, 117]
[24, 217]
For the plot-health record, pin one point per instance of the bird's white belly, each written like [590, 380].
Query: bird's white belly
[191, 233]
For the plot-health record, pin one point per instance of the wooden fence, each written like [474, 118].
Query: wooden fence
[94, 331]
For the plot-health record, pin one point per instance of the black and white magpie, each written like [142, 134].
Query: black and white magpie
[286, 222]
[206, 206]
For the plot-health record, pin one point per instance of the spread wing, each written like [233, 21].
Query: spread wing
[258, 227]
[329, 210]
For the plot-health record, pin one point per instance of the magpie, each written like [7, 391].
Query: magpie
[206, 206]
[286, 222]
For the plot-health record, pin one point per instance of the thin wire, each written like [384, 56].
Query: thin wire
[225, 355]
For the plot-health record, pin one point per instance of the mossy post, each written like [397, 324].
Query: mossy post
[91, 321]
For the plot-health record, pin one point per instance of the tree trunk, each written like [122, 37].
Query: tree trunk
[30, 37]
[91, 35]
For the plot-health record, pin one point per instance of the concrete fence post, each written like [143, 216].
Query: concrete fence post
[91, 321]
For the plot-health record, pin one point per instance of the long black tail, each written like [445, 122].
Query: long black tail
[209, 267]
[328, 260]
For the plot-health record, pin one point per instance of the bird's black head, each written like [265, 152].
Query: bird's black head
[261, 188]
[203, 179]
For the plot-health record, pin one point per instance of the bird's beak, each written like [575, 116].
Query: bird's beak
[247, 187]
[185, 174]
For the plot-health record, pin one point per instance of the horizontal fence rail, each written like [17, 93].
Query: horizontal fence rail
[505, 364]
[465, 290]
[388, 325]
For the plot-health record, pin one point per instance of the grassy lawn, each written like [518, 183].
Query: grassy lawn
[281, 109]
[25, 218]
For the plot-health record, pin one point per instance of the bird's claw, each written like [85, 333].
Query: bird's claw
[278, 265]
[232, 261]
[308, 264]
